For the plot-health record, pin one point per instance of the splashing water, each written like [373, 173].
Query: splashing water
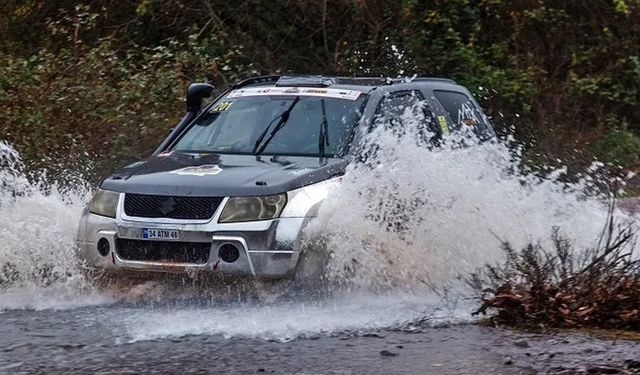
[38, 223]
[350, 313]
[417, 220]
[418, 217]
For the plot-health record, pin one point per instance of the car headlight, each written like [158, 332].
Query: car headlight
[104, 203]
[253, 208]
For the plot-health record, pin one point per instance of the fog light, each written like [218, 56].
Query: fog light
[228, 252]
[104, 247]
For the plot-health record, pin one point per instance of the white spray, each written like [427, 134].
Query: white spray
[410, 220]
[38, 224]
[414, 216]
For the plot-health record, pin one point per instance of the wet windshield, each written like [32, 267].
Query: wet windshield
[318, 125]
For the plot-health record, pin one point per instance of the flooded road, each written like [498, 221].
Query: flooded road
[102, 340]
[397, 302]
[75, 344]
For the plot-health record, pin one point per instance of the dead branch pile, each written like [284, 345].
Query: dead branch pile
[597, 287]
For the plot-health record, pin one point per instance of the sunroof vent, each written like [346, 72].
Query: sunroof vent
[305, 81]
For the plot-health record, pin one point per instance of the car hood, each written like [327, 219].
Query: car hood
[221, 175]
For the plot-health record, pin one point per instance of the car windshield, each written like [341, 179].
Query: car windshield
[318, 122]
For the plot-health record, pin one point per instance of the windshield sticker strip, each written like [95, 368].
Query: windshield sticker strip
[295, 91]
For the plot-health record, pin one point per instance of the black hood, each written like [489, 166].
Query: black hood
[221, 175]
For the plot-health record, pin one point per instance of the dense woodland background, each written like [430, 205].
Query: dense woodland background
[104, 80]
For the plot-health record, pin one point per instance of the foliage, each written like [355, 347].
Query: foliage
[566, 288]
[620, 147]
[100, 103]
[107, 79]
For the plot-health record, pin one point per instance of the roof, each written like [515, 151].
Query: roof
[364, 84]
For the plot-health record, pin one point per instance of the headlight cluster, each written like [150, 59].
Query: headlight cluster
[104, 203]
[253, 208]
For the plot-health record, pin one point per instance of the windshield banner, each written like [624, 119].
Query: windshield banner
[295, 91]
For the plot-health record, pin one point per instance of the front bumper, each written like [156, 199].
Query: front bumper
[267, 249]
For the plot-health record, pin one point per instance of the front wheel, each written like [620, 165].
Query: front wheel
[310, 272]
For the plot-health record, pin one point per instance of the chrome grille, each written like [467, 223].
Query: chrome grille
[172, 207]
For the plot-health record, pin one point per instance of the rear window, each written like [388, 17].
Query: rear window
[460, 108]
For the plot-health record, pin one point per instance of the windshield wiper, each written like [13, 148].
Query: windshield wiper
[323, 136]
[284, 116]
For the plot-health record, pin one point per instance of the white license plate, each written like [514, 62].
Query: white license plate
[160, 234]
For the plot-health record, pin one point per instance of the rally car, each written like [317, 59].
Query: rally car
[231, 188]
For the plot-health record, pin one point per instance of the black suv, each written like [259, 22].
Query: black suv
[231, 188]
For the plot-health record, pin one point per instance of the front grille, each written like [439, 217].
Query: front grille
[163, 251]
[172, 207]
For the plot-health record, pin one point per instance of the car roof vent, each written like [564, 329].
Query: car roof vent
[305, 81]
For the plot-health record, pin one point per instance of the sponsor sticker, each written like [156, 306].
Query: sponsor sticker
[442, 121]
[201, 170]
[467, 115]
[296, 91]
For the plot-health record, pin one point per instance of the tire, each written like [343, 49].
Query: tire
[310, 272]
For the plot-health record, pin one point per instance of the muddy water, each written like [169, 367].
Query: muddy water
[100, 340]
[82, 341]
[424, 219]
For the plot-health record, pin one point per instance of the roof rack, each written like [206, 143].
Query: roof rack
[305, 81]
[432, 79]
[258, 79]
[378, 81]
[367, 81]
[325, 81]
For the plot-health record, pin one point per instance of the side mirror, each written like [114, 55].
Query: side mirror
[195, 93]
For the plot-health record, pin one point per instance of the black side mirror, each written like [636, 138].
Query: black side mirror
[195, 93]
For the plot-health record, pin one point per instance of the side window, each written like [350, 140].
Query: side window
[404, 111]
[460, 108]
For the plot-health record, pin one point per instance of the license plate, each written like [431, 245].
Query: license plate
[160, 234]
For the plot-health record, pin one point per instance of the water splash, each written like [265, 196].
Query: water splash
[420, 217]
[283, 321]
[417, 219]
[38, 224]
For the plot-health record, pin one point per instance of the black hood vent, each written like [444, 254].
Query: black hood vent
[171, 207]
